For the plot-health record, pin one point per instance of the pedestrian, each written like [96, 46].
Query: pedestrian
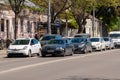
[8, 41]
[36, 37]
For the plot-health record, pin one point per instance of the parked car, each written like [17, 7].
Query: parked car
[98, 43]
[48, 37]
[109, 43]
[82, 45]
[60, 47]
[115, 36]
[24, 46]
[84, 35]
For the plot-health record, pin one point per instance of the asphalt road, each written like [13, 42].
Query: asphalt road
[103, 65]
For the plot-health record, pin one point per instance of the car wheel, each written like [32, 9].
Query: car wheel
[39, 53]
[90, 51]
[43, 55]
[72, 52]
[85, 50]
[63, 53]
[9, 56]
[29, 53]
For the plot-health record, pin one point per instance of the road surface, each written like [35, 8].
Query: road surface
[103, 65]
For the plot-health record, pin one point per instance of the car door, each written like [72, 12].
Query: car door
[32, 44]
[89, 45]
[36, 45]
[103, 43]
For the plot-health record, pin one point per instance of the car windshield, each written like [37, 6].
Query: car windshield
[94, 39]
[78, 40]
[47, 38]
[21, 42]
[106, 39]
[115, 35]
[56, 42]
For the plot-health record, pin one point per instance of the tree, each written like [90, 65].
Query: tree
[106, 12]
[57, 7]
[16, 6]
[81, 10]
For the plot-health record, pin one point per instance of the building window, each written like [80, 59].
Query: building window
[2, 25]
[35, 26]
[28, 27]
[21, 22]
[7, 26]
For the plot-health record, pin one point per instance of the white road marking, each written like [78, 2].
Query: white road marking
[48, 62]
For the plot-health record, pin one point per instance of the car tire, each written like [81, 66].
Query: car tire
[85, 50]
[72, 52]
[43, 55]
[29, 53]
[39, 53]
[63, 53]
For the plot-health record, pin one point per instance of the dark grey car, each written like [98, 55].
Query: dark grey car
[45, 39]
[58, 47]
[82, 45]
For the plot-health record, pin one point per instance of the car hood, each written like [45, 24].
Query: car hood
[17, 46]
[95, 43]
[78, 43]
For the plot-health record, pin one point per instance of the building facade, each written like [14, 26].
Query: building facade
[27, 23]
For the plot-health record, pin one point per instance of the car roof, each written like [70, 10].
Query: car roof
[52, 35]
[24, 38]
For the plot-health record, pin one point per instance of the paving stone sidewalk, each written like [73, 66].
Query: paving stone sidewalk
[2, 52]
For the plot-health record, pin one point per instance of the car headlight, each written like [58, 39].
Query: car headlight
[59, 48]
[82, 45]
[25, 47]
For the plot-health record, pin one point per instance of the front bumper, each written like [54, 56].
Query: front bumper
[79, 50]
[53, 52]
[96, 47]
[17, 52]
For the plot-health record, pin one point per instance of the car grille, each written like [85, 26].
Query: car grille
[76, 46]
[49, 48]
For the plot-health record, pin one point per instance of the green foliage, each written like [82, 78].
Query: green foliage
[106, 11]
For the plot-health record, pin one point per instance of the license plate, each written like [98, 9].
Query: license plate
[50, 50]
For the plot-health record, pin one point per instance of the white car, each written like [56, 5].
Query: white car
[98, 43]
[24, 46]
[109, 43]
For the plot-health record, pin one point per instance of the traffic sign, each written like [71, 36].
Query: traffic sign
[57, 23]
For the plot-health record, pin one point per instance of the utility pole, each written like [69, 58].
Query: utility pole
[66, 28]
[118, 13]
[93, 20]
[49, 18]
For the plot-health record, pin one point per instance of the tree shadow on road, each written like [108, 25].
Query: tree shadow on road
[80, 78]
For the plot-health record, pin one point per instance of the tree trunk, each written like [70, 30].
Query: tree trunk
[80, 29]
[16, 26]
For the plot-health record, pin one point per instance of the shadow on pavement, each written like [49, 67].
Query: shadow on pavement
[79, 78]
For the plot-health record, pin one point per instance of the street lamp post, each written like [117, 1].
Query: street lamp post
[118, 12]
[93, 20]
[49, 18]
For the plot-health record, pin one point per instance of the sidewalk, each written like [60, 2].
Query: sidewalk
[2, 52]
